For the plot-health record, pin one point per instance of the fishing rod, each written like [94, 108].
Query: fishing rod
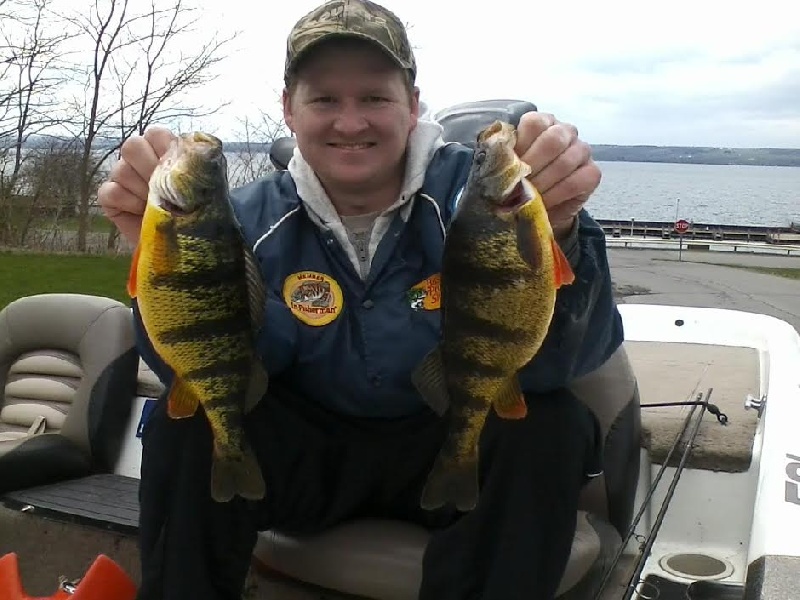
[648, 542]
[648, 545]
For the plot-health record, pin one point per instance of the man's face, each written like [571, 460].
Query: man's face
[351, 112]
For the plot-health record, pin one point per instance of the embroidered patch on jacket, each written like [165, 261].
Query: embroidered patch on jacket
[314, 298]
[427, 294]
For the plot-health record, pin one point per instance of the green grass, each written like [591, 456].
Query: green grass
[26, 274]
[788, 272]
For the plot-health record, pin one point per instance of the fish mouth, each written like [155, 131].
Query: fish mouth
[519, 196]
[165, 196]
[173, 208]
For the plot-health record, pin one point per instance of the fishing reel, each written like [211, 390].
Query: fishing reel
[461, 123]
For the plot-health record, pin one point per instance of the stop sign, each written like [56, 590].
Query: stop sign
[681, 225]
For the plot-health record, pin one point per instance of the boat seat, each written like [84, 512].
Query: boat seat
[68, 368]
[382, 559]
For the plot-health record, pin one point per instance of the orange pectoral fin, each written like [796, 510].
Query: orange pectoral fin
[510, 402]
[562, 272]
[134, 271]
[182, 402]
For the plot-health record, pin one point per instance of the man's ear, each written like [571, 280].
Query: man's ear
[414, 107]
[288, 118]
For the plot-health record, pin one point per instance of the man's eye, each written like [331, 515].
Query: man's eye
[377, 99]
[323, 99]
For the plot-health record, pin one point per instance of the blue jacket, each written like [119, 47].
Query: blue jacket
[351, 344]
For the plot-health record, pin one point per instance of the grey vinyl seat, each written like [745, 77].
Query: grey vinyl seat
[383, 559]
[68, 370]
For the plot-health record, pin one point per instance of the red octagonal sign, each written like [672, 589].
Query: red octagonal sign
[681, 225]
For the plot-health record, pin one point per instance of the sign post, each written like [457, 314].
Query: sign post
[681, 227]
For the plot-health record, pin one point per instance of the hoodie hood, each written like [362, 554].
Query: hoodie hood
[423, 141]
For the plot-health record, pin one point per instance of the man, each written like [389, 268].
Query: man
[342, 433]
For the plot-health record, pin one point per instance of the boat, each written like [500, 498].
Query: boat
[700, 497]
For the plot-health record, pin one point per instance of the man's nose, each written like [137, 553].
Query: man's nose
[350, 119]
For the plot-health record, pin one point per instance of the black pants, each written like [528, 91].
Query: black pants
[321, 468]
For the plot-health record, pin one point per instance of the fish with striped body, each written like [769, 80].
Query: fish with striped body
[201, 299]
[501, 270]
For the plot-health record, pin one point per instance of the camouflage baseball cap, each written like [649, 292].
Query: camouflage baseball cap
[351, 18]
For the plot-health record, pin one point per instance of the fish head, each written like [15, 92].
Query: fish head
[498, 173]
[190, 176]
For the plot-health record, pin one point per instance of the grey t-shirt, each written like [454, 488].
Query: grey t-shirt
[359, 230]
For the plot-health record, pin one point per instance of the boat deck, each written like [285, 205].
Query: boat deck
[666, 373]
[678, 372]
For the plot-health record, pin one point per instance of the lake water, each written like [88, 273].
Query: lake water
[729, 194]
[725, 194]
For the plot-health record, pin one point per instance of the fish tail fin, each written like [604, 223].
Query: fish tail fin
[134, 271]
[562, 271]
[238, 474]
[451, 482]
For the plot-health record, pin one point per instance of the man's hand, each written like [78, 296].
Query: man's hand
[562, 167]
[124, 196]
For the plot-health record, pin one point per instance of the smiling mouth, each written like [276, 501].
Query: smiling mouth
[358, 146]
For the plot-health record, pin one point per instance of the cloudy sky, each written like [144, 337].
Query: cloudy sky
[683, 72]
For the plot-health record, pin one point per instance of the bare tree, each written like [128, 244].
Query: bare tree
[52, 179]
[248, 158]
[145, 62]
[32, 71]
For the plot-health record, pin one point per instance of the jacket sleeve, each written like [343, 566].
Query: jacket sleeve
[146, 350]
[586, 327]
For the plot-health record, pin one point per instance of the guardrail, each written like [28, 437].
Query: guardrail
[702, 245]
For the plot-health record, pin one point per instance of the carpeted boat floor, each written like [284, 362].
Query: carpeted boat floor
[677, 372]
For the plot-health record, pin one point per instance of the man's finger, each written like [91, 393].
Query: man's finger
[569, 161]
[140, 155]
[580, 184]
[126, 177]
[115, 199]
[160, 138]
[531, 126]
[548, 146]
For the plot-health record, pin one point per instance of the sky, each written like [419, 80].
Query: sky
[683, 72]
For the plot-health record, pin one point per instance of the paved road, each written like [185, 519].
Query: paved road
[656, 277]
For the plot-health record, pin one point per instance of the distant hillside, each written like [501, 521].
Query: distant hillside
[784, 157]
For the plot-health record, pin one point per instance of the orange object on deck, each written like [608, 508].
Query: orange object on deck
[105, 580]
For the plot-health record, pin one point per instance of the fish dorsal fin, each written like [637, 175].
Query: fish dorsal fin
[428, 378]
[256, 291]
[510, 402]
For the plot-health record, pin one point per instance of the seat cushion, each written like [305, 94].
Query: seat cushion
[383, 559]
